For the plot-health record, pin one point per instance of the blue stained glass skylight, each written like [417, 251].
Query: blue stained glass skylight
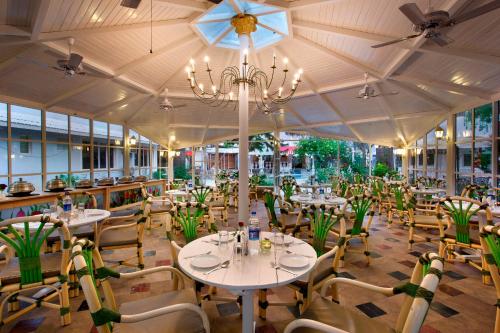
[215, 25]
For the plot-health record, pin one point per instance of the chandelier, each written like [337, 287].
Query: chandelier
[223, 89]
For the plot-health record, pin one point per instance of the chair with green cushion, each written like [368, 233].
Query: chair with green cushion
[490, 242]
[174, 311]
[289, 219]
[325, 315]
[461, 236]
[32, 276]
[354, 224]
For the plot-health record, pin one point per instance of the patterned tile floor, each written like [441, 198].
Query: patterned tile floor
[462, 302]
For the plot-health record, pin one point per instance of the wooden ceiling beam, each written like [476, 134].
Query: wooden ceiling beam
[12, 30]
[186, 4]
[300, 4]
[446, 86]
[388, 109]
[56, 35]
[40, 17]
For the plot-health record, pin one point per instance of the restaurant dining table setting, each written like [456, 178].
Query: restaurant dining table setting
[274, 260]
[327, 199]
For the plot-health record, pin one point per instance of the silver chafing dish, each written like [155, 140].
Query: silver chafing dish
[140, 179]
[56, 185]
[20, 188]
[84, 183]
[125, 180]
[106, 182]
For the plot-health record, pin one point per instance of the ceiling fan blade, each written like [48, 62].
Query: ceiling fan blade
[495, 4]
[395, 41]
[179, 106]
[441, 39]
[74, 60]
[413, 13]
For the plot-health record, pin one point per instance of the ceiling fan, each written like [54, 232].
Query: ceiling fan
[70, 66]
[431, 23]
[368, 92]
[166, 105]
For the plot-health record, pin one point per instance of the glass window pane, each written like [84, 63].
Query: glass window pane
[420, 142]
[144, 141]
[100, 157]
[99, 174]
[80, 158]
[441, 158]
[460, 182]
[3, 120]
[134, 157]
[56, 127]
[25, 123]
[482, 121]
[431, 138]
[26, 157]
[412, 160]
[482, 157]
[116, 160]
[431, 152]
[145, 157]
[117, 173]
[420, 158]
[116, 135]
[100, 133]
[4, 161]
[463, 158]
[463, 127]
[80, 130]
[57, 157]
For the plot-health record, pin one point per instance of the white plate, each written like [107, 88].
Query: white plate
[215, 237]
[205, 261]
[295, 261]
[287, 240]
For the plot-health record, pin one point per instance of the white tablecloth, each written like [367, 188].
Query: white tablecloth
[308, 200]
[91, 216]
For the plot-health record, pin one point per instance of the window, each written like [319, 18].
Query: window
[474, 154]
[80, 130]
[56, 127]
[26, 123]
[100, 133]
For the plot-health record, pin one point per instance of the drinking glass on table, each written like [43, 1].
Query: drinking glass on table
[81, 210]
[223, 240]
[279, 242]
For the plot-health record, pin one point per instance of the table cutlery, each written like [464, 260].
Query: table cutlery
[276, 267]
[299, 254]
[224, 264]
[197, 255]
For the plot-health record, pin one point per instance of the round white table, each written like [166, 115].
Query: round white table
[308, 200]
[395, 182]
[243, 277]
[91, 217]
[428, 191]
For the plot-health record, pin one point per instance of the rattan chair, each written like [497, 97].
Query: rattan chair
[460, 235]
[159, 213]
[175, 311]
[354, 224]
[289, 219]
[323, 315]
[490, 242]
[427, 218]
[125, 232]
[32, 276]
[324, 269]
[399, 200]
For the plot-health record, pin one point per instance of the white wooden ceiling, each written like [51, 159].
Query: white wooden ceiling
[331, 41]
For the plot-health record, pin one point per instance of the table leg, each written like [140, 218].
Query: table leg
[247, 302]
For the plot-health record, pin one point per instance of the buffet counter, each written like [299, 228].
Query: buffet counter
[112, 198]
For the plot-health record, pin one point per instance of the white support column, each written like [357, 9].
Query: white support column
[405, 163]
[170, 166]
[193, 169]
[243, 134]
[126, 144]
[450, 155]
[216, 166]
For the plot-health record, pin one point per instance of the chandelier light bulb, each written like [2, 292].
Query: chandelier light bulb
[301, 71]
[230, 95]
[200, 86]
[192, 82]
[265, 93]
[214, 89]
[280, 91]
[192, 64]
[285, 61]
[206, 59]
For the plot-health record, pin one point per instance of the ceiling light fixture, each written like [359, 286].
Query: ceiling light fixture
[132, 140]
[439, 131]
